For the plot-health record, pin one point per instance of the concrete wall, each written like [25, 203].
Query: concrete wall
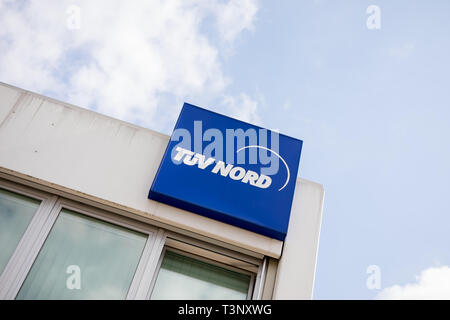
[297, 266]
[113, 163]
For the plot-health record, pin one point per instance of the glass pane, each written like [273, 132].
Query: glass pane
[182, 277]
[16, 212]
[84, 258]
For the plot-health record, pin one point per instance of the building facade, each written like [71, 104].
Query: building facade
[76, 222]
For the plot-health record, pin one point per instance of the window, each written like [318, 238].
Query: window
[104, 255]
[16, 212]
[183, 277]
[55, 248]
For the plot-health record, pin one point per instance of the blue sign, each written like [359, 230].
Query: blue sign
[230, 171]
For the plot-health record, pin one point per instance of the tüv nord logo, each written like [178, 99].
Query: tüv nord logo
[211, 157]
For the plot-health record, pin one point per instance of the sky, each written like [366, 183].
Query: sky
[372, 106]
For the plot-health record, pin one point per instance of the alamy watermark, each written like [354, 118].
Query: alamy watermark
[373, 281]
[73, 282]
[73, 21]
[234, 146]
[373, 21]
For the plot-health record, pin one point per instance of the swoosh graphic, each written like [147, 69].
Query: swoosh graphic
[287, 168]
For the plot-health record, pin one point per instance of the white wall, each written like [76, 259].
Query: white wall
[297, 266]
[112, 162]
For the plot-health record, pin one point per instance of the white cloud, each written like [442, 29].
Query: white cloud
[243, 108]
[234, 17]
[432, 283]
[126, 59]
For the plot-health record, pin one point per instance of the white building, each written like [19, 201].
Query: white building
[76, 223]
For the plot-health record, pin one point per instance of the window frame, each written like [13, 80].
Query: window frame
[159, 239]
[16, 266]
[208, 252]
[203, 259]
[108, 217]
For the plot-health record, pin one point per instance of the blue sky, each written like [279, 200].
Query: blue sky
[372, 106]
